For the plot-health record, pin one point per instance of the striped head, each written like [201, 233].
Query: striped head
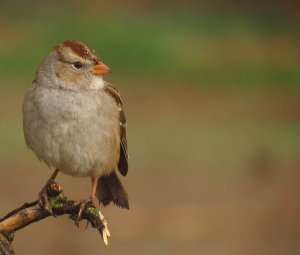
[72, 65]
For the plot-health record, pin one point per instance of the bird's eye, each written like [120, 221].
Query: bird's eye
[77, 64]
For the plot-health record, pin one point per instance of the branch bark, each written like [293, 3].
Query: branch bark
[34, 211]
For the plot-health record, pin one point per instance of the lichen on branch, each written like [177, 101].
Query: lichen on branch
[35, 211]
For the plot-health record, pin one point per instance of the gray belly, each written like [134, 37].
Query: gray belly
[74, 132]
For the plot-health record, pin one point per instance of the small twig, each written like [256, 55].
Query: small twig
[26, 205]
[33, 212]
[5, 247]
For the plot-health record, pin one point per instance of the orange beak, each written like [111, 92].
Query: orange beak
[100, 69]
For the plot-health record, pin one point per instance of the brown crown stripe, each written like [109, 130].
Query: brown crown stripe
[81, 49]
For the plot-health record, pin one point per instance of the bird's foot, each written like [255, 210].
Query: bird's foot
[88, 210]
[45, 195]
[83, 205]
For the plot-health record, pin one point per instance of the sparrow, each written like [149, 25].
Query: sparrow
[74, 121]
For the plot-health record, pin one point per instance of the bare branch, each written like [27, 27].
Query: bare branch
[33, 212]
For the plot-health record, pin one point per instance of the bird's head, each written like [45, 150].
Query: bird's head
[73, 65]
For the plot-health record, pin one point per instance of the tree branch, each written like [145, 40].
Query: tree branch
[34, 211]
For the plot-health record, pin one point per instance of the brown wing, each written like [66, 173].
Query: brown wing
[123, 161]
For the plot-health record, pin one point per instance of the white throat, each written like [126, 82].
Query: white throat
[97, 82]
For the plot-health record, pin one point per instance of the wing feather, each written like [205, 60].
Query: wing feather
[123, 161]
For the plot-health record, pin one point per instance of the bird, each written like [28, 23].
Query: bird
[74, 121]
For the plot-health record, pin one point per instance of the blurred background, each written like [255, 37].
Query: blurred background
[211, 92]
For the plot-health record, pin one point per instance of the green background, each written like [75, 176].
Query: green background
[211, 94]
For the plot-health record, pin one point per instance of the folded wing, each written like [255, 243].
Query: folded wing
[123, 161]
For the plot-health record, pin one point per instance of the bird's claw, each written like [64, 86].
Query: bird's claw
[51, 189]
[44, 202]
[83, 205]
[93, 218]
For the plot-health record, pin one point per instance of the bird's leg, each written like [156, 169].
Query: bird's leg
[53, 176]
[84, 203]
[94, 187]
[43, 195]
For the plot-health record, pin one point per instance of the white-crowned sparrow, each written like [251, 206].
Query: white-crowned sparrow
[74, 121]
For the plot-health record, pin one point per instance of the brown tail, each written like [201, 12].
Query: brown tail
[109, 188]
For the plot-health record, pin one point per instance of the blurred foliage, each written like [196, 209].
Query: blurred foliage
[213, 168]
[200, 46]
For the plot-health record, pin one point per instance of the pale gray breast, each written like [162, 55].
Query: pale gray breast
[74, 131]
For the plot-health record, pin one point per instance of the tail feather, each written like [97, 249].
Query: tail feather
[109, 188]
